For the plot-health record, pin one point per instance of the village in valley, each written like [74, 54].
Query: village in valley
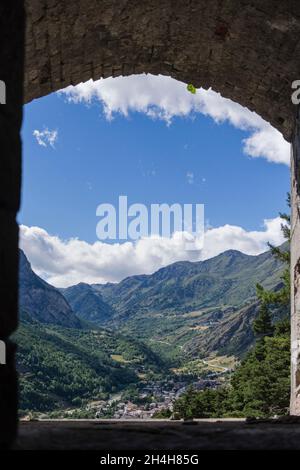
[150, 398]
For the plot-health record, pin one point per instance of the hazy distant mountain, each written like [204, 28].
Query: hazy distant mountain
[41, 301]
[88, 303]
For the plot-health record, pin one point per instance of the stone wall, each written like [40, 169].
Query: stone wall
[160, 435]
[249, 50]
[295, 269]
[11, 72]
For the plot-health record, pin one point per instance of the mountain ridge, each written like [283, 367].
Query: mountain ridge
[199, 306]
[229, 278]
[42, 301]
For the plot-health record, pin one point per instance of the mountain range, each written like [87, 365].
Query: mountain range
[190, 307]
[228, 279]
[91, 342]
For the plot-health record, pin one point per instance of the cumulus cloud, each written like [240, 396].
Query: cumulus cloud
[161, 97]
[46, 137]
[190, 177]
[269, 143]
[67, 262]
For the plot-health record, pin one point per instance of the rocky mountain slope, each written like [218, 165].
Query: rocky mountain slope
[196, 307]
[228, 279]
[41, 301]
[88, 303]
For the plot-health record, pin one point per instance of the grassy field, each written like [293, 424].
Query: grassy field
[119, 358]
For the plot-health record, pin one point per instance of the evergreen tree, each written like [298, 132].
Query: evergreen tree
[262, 325]
[280, 297]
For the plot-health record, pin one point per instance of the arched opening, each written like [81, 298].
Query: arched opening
[247, 52]
[184, 323]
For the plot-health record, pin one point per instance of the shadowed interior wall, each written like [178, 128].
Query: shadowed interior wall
[247, 50]
[295, 269]
[11, 72]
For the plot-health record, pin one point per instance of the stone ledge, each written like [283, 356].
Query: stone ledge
[158, 435]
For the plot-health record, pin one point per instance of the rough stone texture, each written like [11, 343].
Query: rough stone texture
[8, 398]
[247, 50]
[106, 436]
[11, 72]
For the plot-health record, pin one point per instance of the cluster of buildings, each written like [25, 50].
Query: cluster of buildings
[129, 410]
[152, 398]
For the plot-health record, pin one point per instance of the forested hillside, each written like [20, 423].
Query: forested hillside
[62, 367]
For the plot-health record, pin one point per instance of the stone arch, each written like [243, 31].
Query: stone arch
[248, 50]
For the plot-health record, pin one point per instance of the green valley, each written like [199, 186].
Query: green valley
[65, 368]
[131, 349]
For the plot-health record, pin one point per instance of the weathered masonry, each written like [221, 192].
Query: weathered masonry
[295, 268]
[248, 50]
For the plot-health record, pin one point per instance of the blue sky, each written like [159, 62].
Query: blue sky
[82, 148]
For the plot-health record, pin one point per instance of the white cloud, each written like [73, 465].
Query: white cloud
[46, 137]
[234, 237]
[67, 262]
[190, 177]
[161, 97]
[268, 143]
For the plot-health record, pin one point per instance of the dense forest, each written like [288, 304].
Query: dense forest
[63, 367]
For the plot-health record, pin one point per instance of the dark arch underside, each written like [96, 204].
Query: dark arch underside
[249, 51]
